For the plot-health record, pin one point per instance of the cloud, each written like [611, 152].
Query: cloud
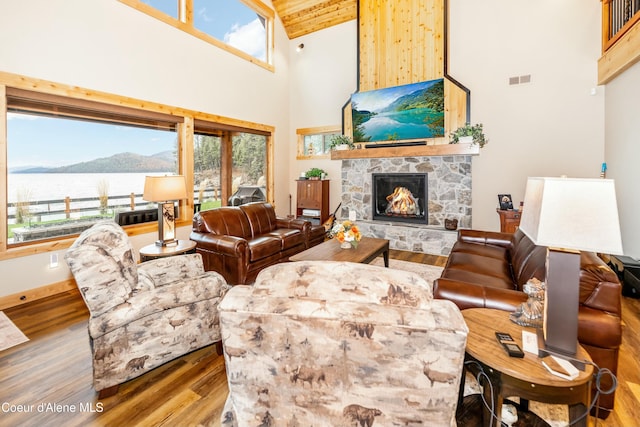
[204, 15]
[249, 38]
[17, 116]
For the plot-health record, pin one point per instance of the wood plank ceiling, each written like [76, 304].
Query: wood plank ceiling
[301, 17]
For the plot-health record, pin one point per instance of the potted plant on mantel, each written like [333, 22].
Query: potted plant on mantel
[469, 134]
[341, 142]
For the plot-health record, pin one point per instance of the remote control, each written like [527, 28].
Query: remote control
[509, 345]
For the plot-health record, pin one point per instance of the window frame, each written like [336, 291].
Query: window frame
[10, 84]
[226, 132]
[321, 130]
[185, 23]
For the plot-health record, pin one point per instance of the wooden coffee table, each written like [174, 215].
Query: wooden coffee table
[526, 377]
[369, 248]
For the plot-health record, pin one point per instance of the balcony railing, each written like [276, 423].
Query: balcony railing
[50, 218]
[67, 208]
[618, 16]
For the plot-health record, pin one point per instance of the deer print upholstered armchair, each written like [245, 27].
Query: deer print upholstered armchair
[141, 316]
[340, 344]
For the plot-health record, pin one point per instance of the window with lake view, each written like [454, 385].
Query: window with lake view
[63, 171]
[73, 161]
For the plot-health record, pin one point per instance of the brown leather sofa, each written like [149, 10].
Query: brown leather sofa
[239, 241]
[489, 269]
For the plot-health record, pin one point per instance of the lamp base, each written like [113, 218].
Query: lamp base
[166, 224]
[544, 351]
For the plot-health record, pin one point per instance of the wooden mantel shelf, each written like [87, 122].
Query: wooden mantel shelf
[408, 151]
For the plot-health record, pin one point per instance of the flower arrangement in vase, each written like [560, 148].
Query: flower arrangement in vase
[347, 233]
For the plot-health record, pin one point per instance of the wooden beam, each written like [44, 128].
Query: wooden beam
[621, 56]
[3, 167]
[408, 151]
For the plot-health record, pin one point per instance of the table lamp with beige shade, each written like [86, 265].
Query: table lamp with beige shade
[165, 190]
[568, 215]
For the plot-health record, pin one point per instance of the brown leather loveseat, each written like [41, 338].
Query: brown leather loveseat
[239, 241]
[489, 269]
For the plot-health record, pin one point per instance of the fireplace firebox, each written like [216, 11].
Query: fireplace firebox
[400, 197]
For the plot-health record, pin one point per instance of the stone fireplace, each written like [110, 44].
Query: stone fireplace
[400, 197]
[448, 196]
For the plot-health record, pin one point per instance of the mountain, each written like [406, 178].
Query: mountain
[118, 163]
[431, 97]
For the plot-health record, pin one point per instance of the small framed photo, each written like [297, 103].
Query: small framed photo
[505, 201]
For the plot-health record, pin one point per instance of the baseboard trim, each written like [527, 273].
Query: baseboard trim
[31, 295]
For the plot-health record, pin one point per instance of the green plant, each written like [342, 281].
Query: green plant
[314, 172]
[340, 140]
[468, 129]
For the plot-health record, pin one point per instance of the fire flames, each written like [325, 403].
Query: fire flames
[401, 202]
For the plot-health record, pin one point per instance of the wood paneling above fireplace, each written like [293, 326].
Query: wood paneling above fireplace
[402, 42]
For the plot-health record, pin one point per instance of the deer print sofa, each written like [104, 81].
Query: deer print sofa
[340, 344]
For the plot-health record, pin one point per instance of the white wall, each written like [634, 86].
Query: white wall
[623, 152]
[552, 126]
[549, 127]
[323, 77]
[104, 45]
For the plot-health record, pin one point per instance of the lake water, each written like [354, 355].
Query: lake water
[38, 187]
[399, 125]
[54, 186]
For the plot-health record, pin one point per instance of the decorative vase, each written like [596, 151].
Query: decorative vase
[465, 139]
[345, 245]
[531, 312]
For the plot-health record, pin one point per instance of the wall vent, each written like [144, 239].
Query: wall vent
[520, 79]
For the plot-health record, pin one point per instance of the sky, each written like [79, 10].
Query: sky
[230, 21]
[41, 141]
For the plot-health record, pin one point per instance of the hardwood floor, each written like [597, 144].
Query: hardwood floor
[50, 376]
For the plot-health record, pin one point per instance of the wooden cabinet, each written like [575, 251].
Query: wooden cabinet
[509, 220]
[312, 201]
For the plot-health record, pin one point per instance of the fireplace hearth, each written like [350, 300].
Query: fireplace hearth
[400, 197]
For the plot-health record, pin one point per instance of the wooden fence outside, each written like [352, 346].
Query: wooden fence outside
[44, 210]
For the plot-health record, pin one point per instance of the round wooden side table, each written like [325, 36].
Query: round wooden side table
[154, 251]
[525, 377]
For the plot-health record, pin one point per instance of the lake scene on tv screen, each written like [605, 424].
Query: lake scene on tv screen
[407, 112]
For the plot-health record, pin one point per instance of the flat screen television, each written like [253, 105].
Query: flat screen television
[400, 113]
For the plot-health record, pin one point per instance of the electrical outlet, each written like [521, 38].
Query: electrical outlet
[53, 260]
